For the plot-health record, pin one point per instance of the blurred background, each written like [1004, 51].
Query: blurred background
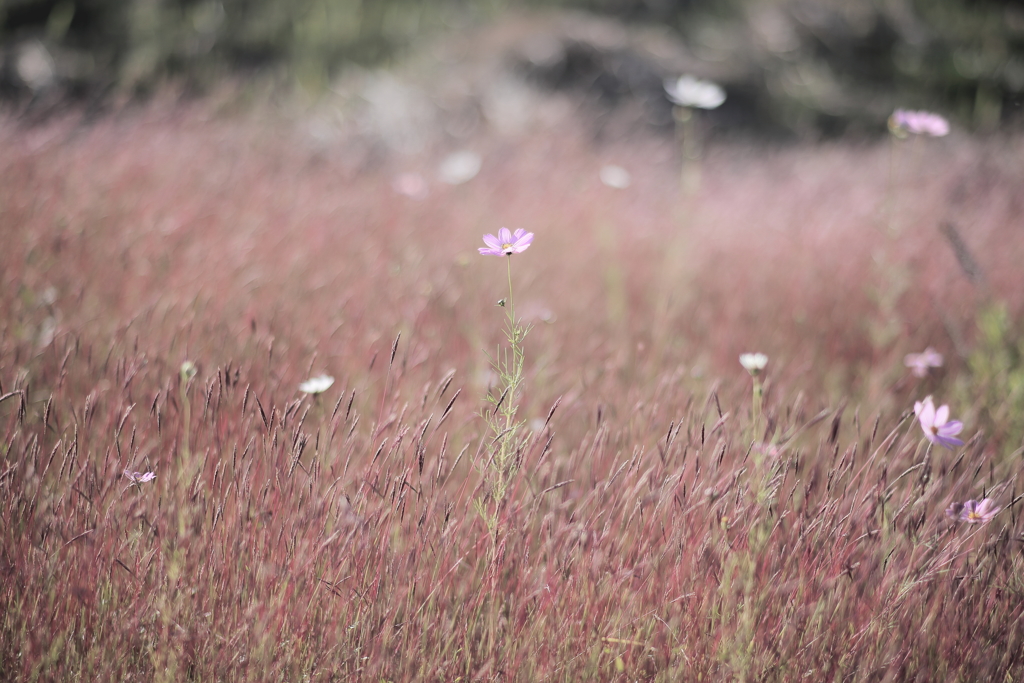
[803, 68]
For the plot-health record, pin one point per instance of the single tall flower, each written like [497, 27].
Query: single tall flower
[973, 511]
[904, 121]
[507, 243]
[937, 426]
[920, 362]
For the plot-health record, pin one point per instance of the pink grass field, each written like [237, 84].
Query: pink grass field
[650, 533]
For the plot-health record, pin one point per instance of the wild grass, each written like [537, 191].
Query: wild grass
[656, 530]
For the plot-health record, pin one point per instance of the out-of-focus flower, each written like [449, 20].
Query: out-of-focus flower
[904, 121]
[688, 91]
[753, 363]
[317, 385]
[616, 177]
[411, 185]
[139, 477]
[973, 511]
[459, 167]
[507, 243]
[34, 66]
[920, 362]
[937, 426]
[47, 331]
[188, 370]
[770, 449]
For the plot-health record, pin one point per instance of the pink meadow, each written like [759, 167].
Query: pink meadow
[656, 529]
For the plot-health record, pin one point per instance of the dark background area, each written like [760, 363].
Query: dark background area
[821, 65]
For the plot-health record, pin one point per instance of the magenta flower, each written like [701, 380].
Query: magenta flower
[973, 511]
[904, 121]
[139, 477]
[937, 426]
[920, 362]
[506, 243]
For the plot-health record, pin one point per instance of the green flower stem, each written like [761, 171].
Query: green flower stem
[756, 407]
[502, 465]
[186, 418]
[513, 377]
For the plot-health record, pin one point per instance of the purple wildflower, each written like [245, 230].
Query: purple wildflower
[139, 477]
[973, 511]
[507, 243]
[937, 426]
[920, 362]
[904, 121]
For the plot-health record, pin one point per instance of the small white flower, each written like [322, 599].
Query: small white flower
[688, 91]
[317, 385]
[753, 362]
[616, 177]
[188, 370]
[459, 167]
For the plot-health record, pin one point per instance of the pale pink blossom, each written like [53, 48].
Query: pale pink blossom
[920, 362]
[937, 426]
[507, 243]
[139, 477]
[904, 121]
[973, 511]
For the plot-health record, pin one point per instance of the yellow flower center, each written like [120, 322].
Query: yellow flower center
[506, 246]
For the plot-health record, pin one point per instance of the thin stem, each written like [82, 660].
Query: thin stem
[516, 355]
[890, 208]
[758, 393]
[511, 303]
[186, 419]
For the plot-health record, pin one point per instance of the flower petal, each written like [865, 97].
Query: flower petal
[522, 242]
[927, 414]
[951, 428]
[504, 236]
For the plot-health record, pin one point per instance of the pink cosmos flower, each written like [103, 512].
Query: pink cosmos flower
[139, 477]
[918, 123]
[507, 243]
[973, 511]
[937, 426]
[920, 362]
